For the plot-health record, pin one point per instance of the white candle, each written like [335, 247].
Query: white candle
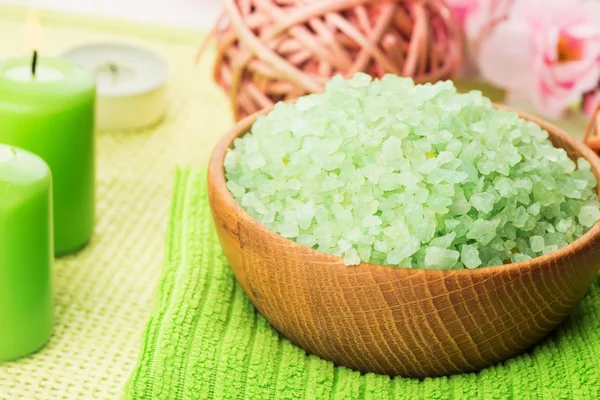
[130, 83]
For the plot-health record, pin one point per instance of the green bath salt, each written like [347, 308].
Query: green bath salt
[417, 176]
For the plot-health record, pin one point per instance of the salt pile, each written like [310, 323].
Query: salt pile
[415, 176]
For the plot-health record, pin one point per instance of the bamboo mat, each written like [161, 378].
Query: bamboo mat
[105, 293]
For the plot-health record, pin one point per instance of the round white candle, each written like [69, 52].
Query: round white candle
[130, 84]
[42, 73]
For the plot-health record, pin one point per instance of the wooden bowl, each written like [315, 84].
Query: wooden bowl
[399, 321]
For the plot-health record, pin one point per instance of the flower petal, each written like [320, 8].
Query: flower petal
[505, 58]
[590, 101]
[580, 75]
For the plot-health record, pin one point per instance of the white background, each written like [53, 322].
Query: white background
[182, 13]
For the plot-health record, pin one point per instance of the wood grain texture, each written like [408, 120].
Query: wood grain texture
[399, 321]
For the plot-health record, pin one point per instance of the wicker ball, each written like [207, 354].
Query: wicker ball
[272, 50]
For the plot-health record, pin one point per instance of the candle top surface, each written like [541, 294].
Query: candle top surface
[21, 174]
[43, 74]
[55, 79]
[49, 70]
[121, 70]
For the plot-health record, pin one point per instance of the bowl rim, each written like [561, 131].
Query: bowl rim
[216, 175]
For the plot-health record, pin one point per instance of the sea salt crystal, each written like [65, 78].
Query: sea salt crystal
[351, 257]
[494, 261]
[306, 240]
[235, 189]
[517, 257]
[391, 149]
[483, 202]
[438, 258]
[426, 230]
[414, 176]
[371, 220]
[537, 243]
[406, 250]
[483, 231]
[256, 161]
[505, 187]
[390, 181]
[534, 209]
[563, 225]
[289, 230]
[443, 241]
[470, 256]
[588, 215]
[549, 249]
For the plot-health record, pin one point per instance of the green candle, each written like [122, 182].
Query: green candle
[26, 311]
[51, 113]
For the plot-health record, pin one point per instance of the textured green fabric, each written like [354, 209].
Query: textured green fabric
[206, 341]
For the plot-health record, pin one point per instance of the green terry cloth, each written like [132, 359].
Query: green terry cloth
[205, 340]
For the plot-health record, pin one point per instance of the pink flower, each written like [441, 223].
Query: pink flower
[547, 51]
[591, 101]
[476, 16]
[463, 8]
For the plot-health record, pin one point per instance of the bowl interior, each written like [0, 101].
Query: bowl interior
[559, 138]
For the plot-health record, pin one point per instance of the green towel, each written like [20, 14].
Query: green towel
[205, 340]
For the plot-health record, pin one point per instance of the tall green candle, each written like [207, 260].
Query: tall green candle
[51, 113]
[26, 254]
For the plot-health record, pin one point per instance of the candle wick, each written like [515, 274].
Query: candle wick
[114, 70]
[34, 61]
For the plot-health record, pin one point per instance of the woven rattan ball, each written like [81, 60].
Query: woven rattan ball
[272, 50]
